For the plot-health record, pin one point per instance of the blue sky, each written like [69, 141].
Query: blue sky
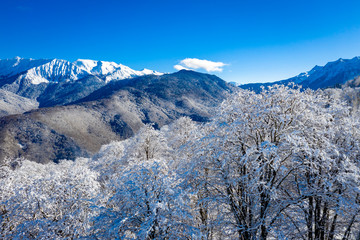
[258, 41]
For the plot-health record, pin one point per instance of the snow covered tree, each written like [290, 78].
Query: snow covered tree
[144, 202]
[328, 180]
[148, 144]
[251, 175]
[281, 164]
[180, 132]
[48, 201]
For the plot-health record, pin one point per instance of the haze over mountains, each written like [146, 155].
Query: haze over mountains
[73, 108]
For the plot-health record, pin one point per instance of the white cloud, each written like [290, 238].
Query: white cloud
[194, 63]
[179, 67]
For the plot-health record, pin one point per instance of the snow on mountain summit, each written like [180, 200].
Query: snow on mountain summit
[111, 70]
[332, 74]
[97, 67]
[148, 71]
[57, 70]
[336, 72]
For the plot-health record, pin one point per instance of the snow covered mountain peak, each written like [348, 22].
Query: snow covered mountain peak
[55, 71]
[332, 74]
[58, 70]
[111, 70]
[97, 67]
[148, 71]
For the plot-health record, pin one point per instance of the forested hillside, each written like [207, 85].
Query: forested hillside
[112, 113]
[281, 164]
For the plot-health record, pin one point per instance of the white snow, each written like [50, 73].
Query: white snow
[57, 70]
[111, 70]
[97, 67]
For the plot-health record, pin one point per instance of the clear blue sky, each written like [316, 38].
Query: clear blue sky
[259, 40]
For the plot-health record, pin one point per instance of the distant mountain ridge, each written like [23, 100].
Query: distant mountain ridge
[332, 74]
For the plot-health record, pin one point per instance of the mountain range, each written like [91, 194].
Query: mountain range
[57, 70]
[51, 82]
[112, 112]
[333, 74]
[55, 109]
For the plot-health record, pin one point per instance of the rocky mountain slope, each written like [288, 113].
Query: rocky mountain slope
[112, 112]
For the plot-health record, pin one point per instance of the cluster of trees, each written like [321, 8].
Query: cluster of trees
[282, 164]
